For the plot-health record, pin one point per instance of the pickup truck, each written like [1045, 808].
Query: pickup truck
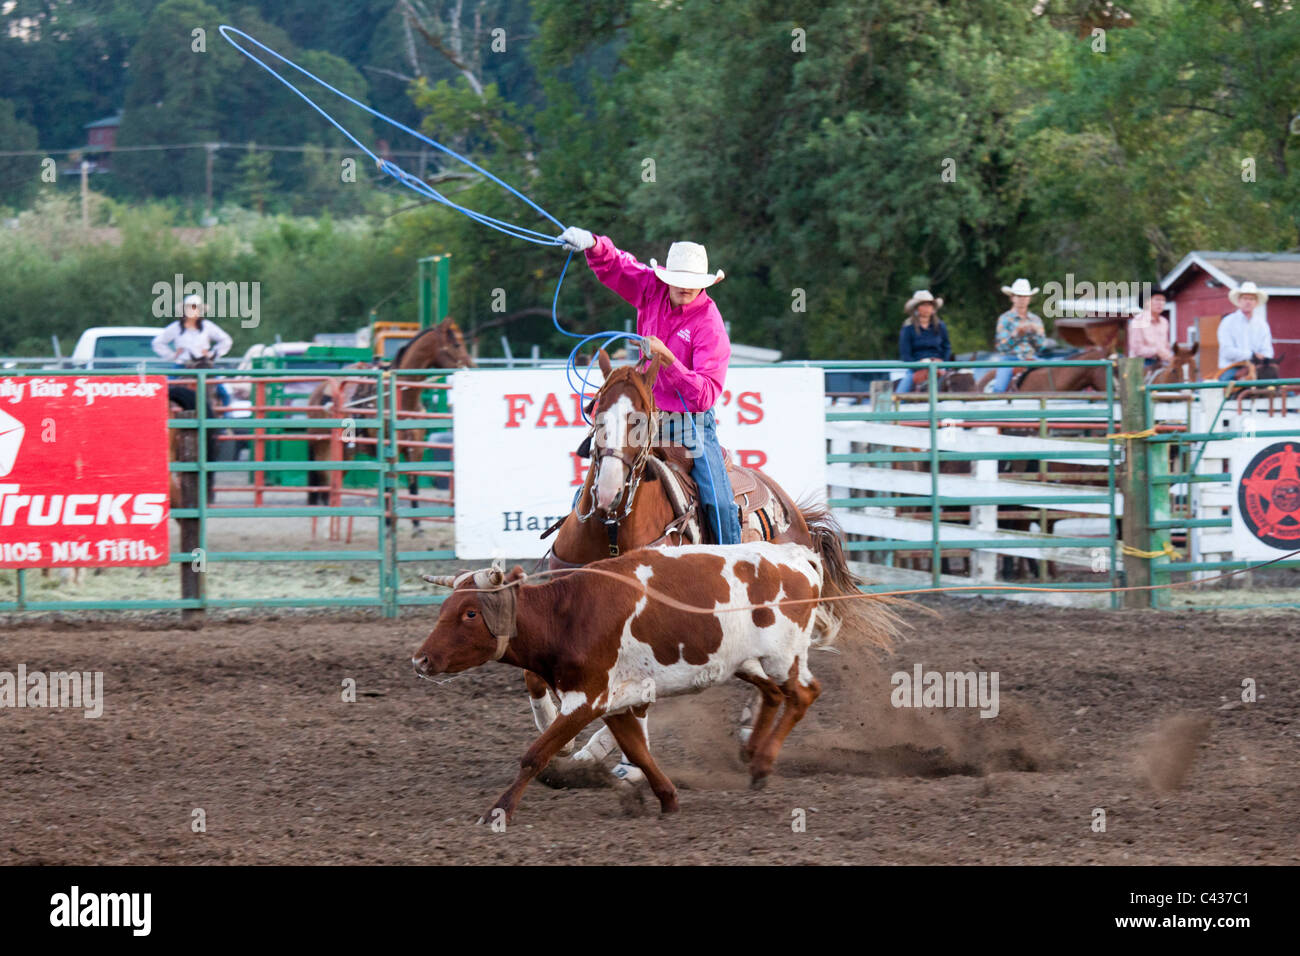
[115, 347]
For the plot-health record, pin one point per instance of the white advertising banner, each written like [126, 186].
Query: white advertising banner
[1265, 497]
[517, 432]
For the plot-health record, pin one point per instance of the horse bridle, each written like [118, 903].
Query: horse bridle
[635, 471]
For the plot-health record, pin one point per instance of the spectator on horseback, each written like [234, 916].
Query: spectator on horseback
[680, 324]
[191, 336]
[1148, 330]
[1244, 335]
[1020, 335]
[924, 337]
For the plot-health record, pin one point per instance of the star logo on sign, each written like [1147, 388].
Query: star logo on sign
[1269, 495]
[11, 436]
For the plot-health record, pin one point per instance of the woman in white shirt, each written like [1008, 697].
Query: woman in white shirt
[191, 336]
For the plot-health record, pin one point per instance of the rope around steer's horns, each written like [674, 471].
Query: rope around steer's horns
[444, 581]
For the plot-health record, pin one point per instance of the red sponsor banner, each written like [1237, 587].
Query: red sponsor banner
[83, 471]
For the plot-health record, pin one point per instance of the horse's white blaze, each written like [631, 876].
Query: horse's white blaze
[612, 472]
[760, 651]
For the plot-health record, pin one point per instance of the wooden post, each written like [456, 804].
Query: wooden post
[192, 581]
[1136, 483]
[85, 194]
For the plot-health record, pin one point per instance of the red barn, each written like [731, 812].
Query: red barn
[101, 137]
[1198, 298]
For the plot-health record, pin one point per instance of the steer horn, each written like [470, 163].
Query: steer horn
[442, 580]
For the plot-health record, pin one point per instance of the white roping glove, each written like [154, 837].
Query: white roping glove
[577, 240]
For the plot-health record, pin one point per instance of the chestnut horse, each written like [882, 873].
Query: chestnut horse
[951, 380]
[623, 506]
[439, 346]
[1069, 378]
[1181, 369]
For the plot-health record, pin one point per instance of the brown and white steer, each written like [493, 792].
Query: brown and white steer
[609, 648]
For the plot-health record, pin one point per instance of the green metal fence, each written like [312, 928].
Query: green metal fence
[939, 413]
[275, 422]
[1174, 458]
[1078, 431]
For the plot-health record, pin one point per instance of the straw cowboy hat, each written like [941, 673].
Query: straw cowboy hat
[687, 267]
[922, 295]
[1019, 287]
[1247, 288]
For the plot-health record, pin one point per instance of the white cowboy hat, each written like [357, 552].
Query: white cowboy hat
[687, 267]
[1247, 288]
[922, 295]
[193, 299]
[1019, 287]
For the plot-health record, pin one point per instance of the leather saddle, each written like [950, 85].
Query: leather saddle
[763, 515]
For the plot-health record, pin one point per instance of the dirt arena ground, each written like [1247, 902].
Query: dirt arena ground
[1135, 713]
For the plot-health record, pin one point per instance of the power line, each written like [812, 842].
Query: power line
[244, 147]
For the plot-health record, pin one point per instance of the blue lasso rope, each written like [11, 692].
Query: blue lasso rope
[420, 186]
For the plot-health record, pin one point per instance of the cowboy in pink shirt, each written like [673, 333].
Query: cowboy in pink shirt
[681, 324]
[1148, 331]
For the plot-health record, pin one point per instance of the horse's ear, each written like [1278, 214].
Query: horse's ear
[589, 406]
[605, 366]
[653, 371]
[1195, 347]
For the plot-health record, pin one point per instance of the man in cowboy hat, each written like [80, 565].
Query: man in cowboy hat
[1244, 335]
[681, 324]
[924, 337]
[1020, 334]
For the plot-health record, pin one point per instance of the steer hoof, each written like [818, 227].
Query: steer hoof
[758, 781]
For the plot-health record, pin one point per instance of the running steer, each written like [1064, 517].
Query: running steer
[609, 648]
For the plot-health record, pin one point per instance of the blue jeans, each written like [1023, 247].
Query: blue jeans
[1232, 374]
[709, 471]
[1002, 381]
[905, 383]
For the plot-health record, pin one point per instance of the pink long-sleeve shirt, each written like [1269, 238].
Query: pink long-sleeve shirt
[1149, 338]
[694, 333]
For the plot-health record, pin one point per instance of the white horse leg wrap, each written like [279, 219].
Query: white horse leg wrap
[544, 711]
[544, 714]
[600, 746]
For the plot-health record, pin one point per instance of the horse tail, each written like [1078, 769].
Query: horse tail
[870, 619]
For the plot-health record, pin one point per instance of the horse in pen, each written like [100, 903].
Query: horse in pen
[680, 620]
[440, 346]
